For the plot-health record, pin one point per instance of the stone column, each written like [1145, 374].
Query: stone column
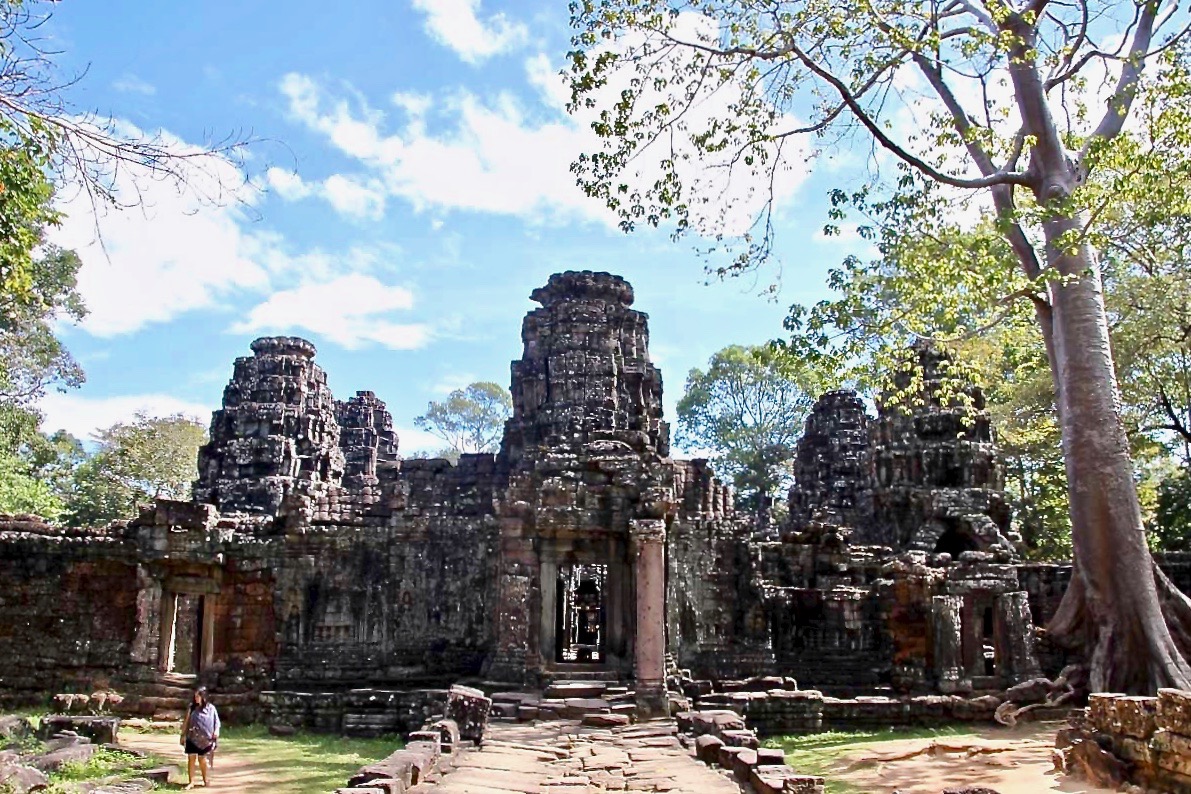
[1015, 639]
[947, 640]
[649, 568]
[548, 584]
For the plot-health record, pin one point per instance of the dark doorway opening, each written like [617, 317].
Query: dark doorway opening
[955, 543]
[579, 617]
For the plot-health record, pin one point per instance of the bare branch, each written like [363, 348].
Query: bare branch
[1125, 92]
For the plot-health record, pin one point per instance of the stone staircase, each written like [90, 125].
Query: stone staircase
[165, 698]
[593, 699]
[580, 672]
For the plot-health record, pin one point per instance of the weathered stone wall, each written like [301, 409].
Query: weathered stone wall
[68, 609]
[326, 563]
[714, 614]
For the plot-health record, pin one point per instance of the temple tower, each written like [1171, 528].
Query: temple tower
[275, 433]
[590, 489]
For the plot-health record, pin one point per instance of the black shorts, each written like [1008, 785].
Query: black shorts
[192, 749]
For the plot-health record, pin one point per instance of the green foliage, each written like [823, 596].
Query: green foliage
[470, 419]
[748, 408]
[1172, 525]
[104, 763]
[137, 461]
[22, 492]
[31, 355]
[96, 497]
[25, 204]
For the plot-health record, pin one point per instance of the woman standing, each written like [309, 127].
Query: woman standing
[200, 733]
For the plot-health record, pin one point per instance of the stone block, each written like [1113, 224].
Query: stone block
[74, 753]
[1172, 751]
[448, 731]
[768, 779]
[430, 738]
[21, 778]
[1086, 759]
[1174, 711]
[575, 689]
[469, 708]
[100, 730]
[744, 762]
[1102, 710]
[14, 728]
[606, 720]
[803, 784]
[1136, 717]
[715, 722]
[726, 756]
[707, 748]
[770, 756]
[398, 766]
[740, 738]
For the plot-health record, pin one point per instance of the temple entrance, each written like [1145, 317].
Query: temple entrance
[187, 633]
[580, 626]
[187, 640]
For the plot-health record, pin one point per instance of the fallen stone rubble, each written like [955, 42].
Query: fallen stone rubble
[28, 757]
[1121, 740]
[429, 752]
[721, 738]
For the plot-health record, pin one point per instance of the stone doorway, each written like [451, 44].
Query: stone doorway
[187, 638]
[580, 624]
[185, 657]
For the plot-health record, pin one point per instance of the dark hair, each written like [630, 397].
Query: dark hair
[202, 696]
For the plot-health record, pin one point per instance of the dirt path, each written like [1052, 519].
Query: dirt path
[1016, 761]
[232, 773]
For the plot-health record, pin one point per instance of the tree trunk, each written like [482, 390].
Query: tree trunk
[1114, 607]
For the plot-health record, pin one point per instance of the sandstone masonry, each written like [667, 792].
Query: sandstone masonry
[319, 577]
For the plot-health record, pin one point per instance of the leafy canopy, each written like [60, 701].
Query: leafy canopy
[748, 408]
[471, 419]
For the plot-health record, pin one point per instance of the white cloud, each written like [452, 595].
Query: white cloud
[415, 105]
[496, 155]
[81, 415]
[131, 84]
[351, 310]
[353, 198]
[456, 24]
[349, 196]
[177, 248]
[186, 247]
[287, 184]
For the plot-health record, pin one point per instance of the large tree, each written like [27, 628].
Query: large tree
[1026, 101]
[748, 408]
[470, 419]
[136, 461]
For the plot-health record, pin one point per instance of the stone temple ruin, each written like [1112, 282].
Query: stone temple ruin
[319, 579]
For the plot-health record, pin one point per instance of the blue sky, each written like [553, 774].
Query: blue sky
[410, 190]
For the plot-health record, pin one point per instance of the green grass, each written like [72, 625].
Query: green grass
[305, 763]
[817, 753]
[105, 764]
